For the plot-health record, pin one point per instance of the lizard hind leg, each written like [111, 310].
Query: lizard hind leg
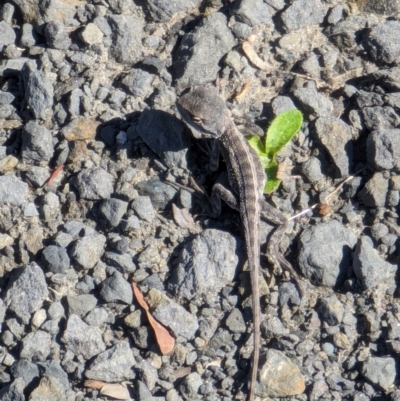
[222, 191]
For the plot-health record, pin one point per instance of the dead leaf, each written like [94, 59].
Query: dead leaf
[183, 219]
[54, 175]
[94, 384]
[183, 372]
[165, 341]
[115, 390]
[253, 57]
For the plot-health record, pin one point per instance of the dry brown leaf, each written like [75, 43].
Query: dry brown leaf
[183, 218]
[253, 57]
[115, 390]
[165, 341]
[54, 175]
[178, 373]
[94, 384]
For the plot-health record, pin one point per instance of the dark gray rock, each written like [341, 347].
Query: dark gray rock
[108, 134]
[335, 135]
[380, 118]
[36, 346]
[148, 373]
[55, 259]
[39, 91]
[375, 191]
[38, 175]
[73, 227]
[201, 51]
[13, 391]
[161, 194]
[81, 305]
[235, 321]
[382, 42]
[206, 264]
[13, 190]
[126, 34]
[380, 371]
[96, 317]
[241, 30]
[281, 104]
[337, 383]
[165, 135]
[331, 310]
[302, 13]
[383, 149]
[163, 11]
[114, 365]
[95, 183]
[56, 36]
[37, 143]
[7, 34]
[54, 369]
[26, 370]
[26, 291]
[116, 288]
[143, 208]
[138, 82]
[369, 268]
[56, 311]
[312, 169]
[112, 211]
[82, 339]
[123, 263]
[325, 253]
[289, 293]
[313, 102]
[190, 386]
[86, 251]
[252, 12]
[6, 97]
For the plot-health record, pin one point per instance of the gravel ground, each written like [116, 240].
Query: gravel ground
[101, 184]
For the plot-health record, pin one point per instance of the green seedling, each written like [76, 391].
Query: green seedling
[281, 131]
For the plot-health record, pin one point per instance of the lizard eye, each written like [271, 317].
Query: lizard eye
[196, 119]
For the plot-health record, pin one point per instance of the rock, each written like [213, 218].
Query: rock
[81, 305]
[13, 391]
[26, 370]
[252, 12]
[380, 371]
[123, 263]
[335, 136]
[302, 13]
[380, 118]
[206, 264]
[161, 194]
[138, 83]
[172, 315]
[201, 50]
[144, 208]
[116, 288]
[324, 253]
[235, 321]
[161, 11]
[313, 102]
[38, 91]
[312, 170]
[91, 34]
[82, 339]
[382, 42]
[37, 143]
[190, 386]
[95, 183]
[49, 389]
[28, 36]
[56, 36]
[12, 190]
[55, 259]
[126, 34]
[80, 129]
[369, 267]
[383, 149]
[331, 310]
[7, 164]
[36, 346]
[7, 34]
[26, 291]
[279, 377]
[86, 251]
[281, 104]
[113, 365]
[375, 191]
[112, 210]
[38, 175]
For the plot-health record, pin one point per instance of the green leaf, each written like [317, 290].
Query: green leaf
[256, 143]
[284, 127]
[272, 183]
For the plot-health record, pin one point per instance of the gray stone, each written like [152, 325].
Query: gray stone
[313, 102]
[123, 263]
[252, 12]
[91, 34]
[374, 192]
[161, 194]
[143, 208]
[28, 36]
[369, 268]
[113, 365]
[81, 305]
[166, 136]
[112, 211]
[55, 259]
[116, 288]
[49, 389]
[331, 310]
[383, 149]
[37, 143]
[382, 42]
[380, 118]
[6, 97]
[303, 13]
[335, 135]
[82, 339]
[38, 175]
[312, 170]
[206, 264]
[281, 104]
[26, 370]
[36, 346]
[380, 371]
[335, 14]
[201, 50]
[138, 82]
[289, 293]
[7, 34]
[163, 11]
[148, 373]
[13, 190]
[54, 369]
[274, 327]
[13, 391]
[95, 183]
[26, 291]
[325, 253]
[56, 311]
[96, 317]
[39, 91]
[126, 34]
[56, 35]
[235, 321]
[86, 251]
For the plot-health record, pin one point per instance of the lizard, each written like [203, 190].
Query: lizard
[206, 112]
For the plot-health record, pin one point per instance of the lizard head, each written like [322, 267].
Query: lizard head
[205, 111]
